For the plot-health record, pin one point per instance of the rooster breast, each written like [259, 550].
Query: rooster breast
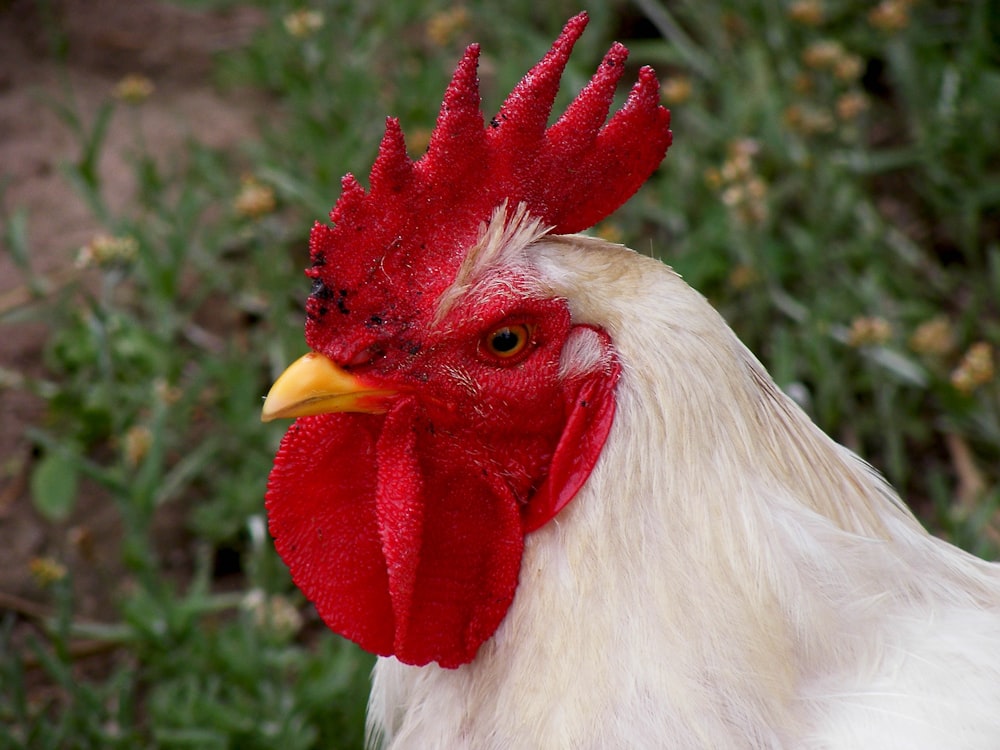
[728, 577]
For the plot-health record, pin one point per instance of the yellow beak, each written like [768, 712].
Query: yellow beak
[313, 384]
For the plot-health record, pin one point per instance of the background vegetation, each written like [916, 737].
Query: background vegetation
[833, 189]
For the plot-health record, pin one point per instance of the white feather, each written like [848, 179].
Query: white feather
[728, 577]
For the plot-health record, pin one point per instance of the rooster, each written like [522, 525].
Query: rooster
[541, 477]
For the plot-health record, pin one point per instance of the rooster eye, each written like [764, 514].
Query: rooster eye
[507, 342]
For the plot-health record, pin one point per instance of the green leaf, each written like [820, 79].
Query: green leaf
[54, 486]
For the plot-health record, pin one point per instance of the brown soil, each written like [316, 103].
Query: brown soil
[103, 40]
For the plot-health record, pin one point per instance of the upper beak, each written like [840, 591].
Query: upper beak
[313, 384]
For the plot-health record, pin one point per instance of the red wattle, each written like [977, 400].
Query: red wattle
[321, 511]
[401, 548]
[399, 510]
[591, 411]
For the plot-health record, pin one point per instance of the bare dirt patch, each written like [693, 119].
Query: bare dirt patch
[78, 53]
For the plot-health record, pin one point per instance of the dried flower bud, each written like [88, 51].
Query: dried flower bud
[417, 141]
[82, 539]
[303, 23]
[744, 148]
[676, 90]
[733, 195]
[138, 440]
[133, 89]
[890, 15]
[274, 613]
[254, 199]
[105, 251]
[47, 570]
[851, 104]
[756, 188]
[869, 331]
[975, 369]
[743, 191]
[743, 276]
[166, 393]
[713, 178]
[446, 25]
[807, 120]
[934, 337]
[823, 54]
[807, 12]
[610, 232]
[848, 67]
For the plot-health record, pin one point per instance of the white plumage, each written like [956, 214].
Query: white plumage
[728, 577]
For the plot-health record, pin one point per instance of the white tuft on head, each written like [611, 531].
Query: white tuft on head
[502, 242]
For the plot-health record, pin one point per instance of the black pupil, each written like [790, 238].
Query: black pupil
[505, 340]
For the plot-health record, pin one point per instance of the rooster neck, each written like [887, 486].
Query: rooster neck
[724, 572]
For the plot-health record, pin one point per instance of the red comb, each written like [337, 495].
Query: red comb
[418, 218]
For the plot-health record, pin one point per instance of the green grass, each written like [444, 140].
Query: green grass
[830, 200]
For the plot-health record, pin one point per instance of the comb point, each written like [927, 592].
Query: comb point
[351, 196]
[458, 135]
[392, 167]
[525, 113]
[580, 122]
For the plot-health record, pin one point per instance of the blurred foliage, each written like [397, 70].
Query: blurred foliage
[832, 188]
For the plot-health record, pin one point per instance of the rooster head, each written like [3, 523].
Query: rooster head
[450, 405]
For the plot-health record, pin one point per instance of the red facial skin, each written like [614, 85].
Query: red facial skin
[406, 529]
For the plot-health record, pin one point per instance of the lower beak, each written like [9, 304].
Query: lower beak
[313, 384]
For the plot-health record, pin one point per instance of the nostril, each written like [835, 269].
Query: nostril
[365, 357]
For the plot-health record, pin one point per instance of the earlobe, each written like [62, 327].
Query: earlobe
[590, 406]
